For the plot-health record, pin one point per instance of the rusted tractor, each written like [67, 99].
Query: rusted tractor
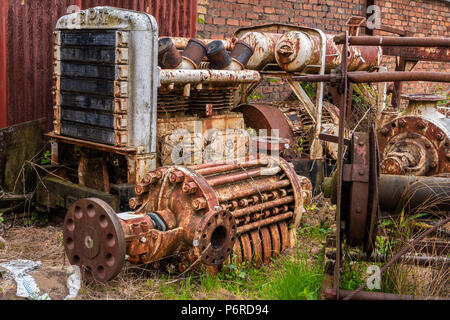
[205, 213]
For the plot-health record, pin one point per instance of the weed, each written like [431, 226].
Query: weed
[28, 222]
[295, 279]
[46, 157]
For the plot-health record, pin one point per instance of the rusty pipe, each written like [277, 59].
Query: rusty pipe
[330, 294]
[208, 76]
[263, 206]
[260, 187]
[229, 167]
[234, 177]
[365, 77]
[398, 191]
[414, 192]
[394, 41]
[264, 222]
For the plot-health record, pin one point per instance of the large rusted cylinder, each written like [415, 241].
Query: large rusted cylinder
[425, 194]
[410, 192]
[263, 45]
[202, 213]
[301, 52]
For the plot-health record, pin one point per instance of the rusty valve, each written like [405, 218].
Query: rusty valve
[202, 213]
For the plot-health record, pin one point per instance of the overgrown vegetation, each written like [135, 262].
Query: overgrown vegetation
[401, 277]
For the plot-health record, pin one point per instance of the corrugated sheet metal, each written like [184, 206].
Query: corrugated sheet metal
[26, 28]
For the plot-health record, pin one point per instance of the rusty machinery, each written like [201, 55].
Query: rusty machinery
[127, 101]
[358, 189]
[202, 213]
[147, 130]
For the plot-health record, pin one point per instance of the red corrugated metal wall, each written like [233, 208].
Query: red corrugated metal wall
[26, 28]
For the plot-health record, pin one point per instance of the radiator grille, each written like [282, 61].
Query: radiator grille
[92, 89]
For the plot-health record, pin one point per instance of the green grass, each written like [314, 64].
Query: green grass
[285, 278]
[295, 279]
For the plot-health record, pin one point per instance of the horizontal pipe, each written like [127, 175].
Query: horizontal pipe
[229, 167]
[393, 41]
[263, 206]
[364, 77]
[234, 177]
[406, 259]
[330, 294]
[260, 187]
[206, 76]
[413, 192]
[264, 222]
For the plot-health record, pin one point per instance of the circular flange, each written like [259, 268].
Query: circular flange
[415, 126]
[215, 236]
[94, 239]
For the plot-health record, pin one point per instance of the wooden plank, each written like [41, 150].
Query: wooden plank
[62, 193]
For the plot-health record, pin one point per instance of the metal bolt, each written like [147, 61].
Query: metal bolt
[199, 203]
[190, 187]
[176, 177]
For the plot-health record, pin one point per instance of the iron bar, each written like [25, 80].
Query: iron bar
[364, 77]
[263, 206]
[264, 222]
[366, 295]
[394, 41]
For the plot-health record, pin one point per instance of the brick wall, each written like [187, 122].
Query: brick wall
[221, 18]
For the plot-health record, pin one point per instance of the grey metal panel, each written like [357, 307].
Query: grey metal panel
[89, 54]
[90, 102]
[89, 71]
[79, 131]
[91, 118]
[95, 86]
[88, 38]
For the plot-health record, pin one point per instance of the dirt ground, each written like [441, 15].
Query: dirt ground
[42, 241]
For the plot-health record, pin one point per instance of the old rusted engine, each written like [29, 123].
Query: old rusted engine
[416, 140]
[152, 158]
[185, 215]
